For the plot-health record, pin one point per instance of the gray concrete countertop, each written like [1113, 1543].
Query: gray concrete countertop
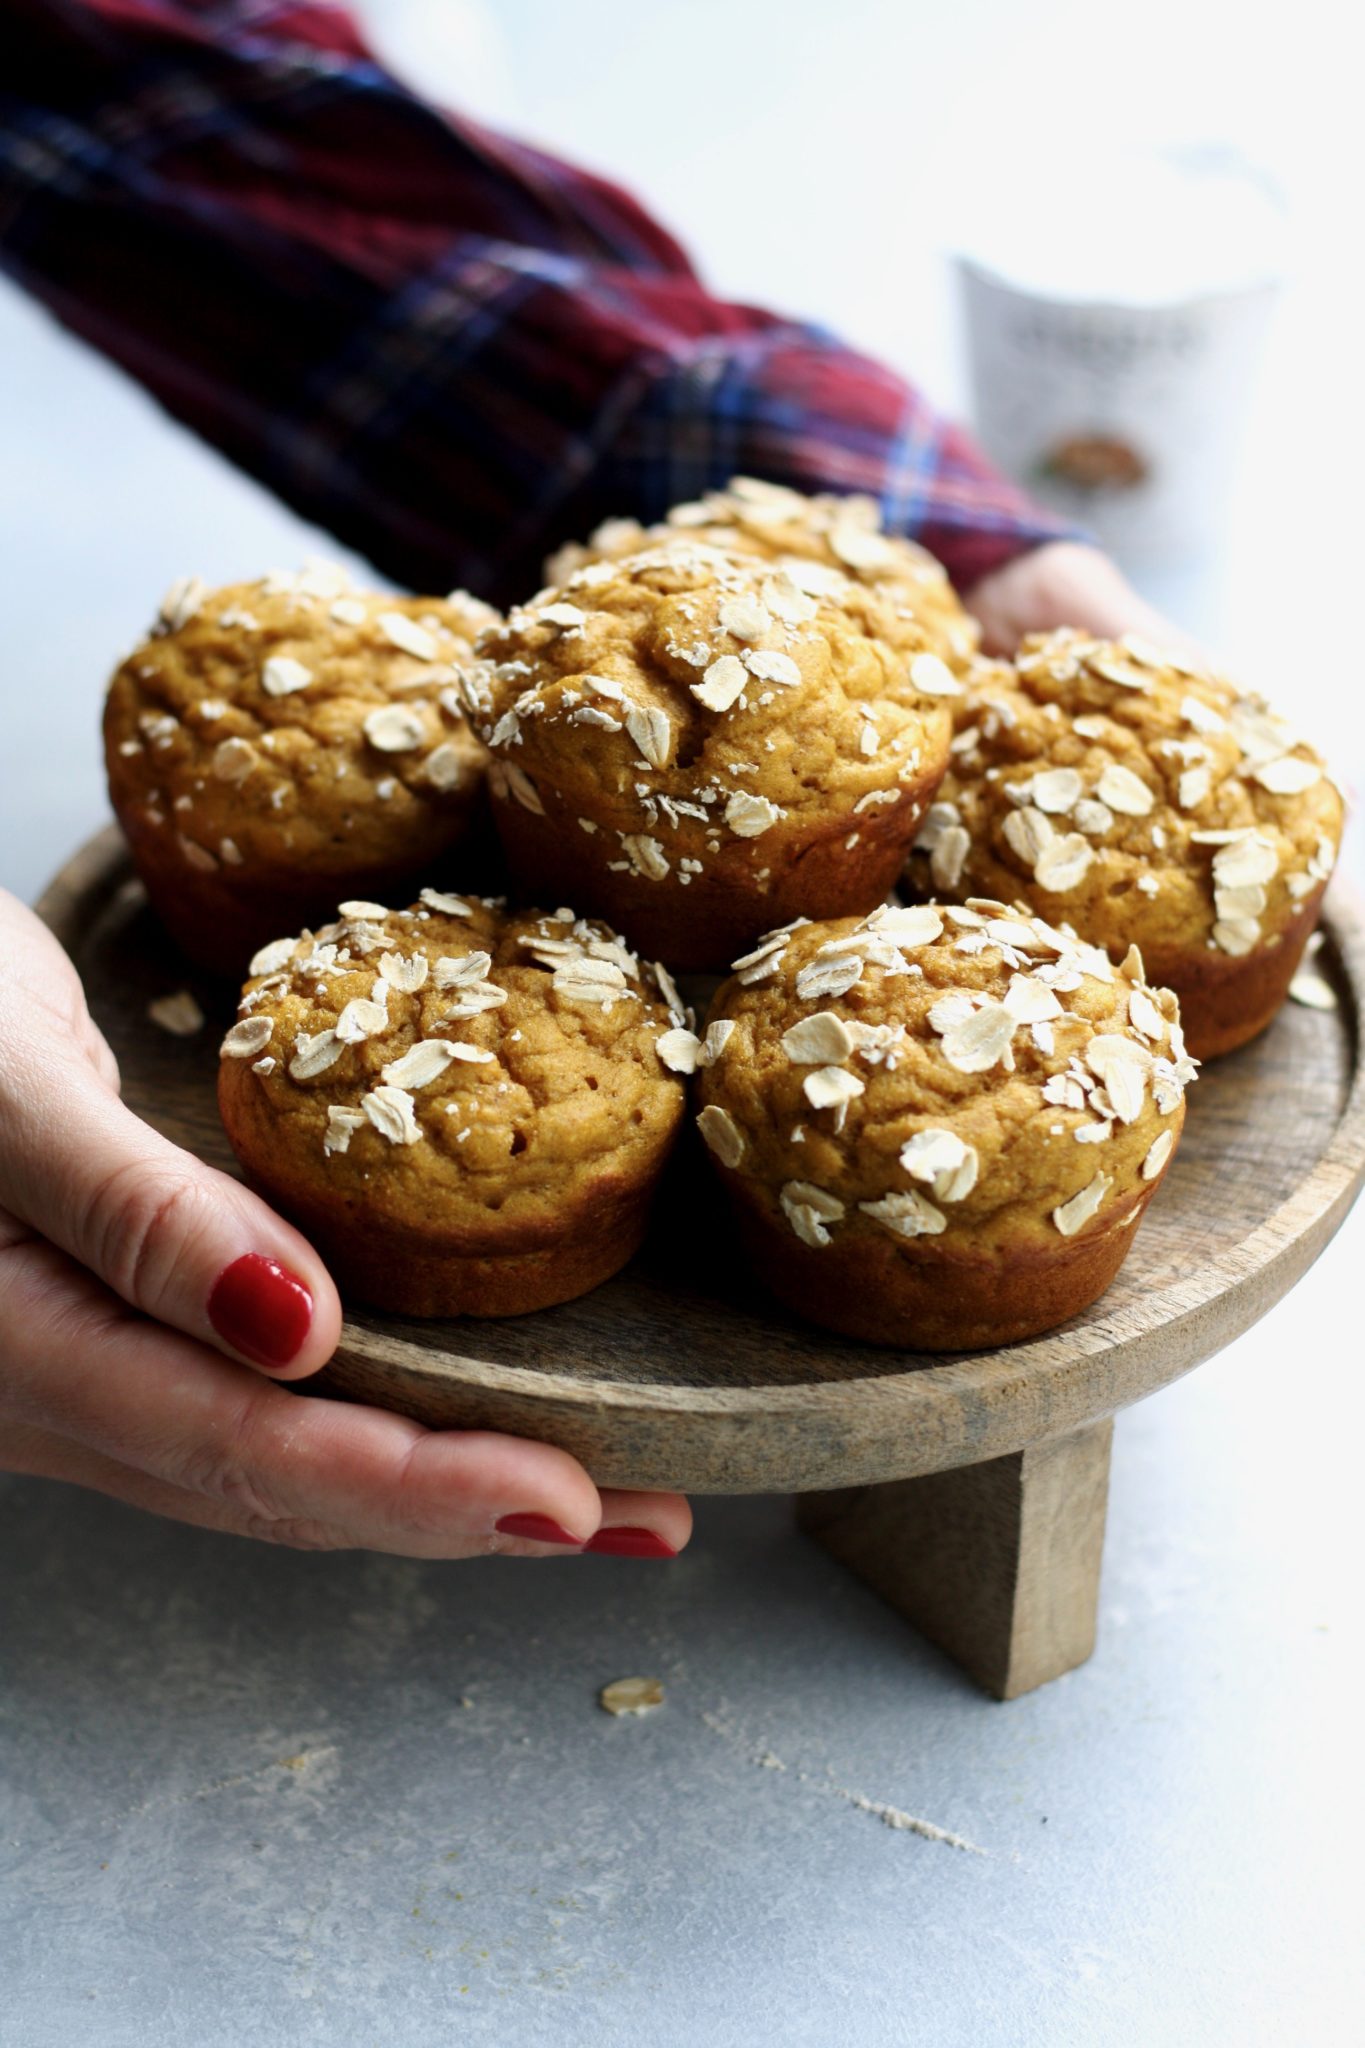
[255, 1795]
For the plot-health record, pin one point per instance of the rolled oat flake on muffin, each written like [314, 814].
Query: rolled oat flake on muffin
[810, 1210]
[248, 1038]
[722, 1134]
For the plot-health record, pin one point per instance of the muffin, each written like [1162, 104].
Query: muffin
[818, 540]
[466, 1109]
[940, 1125]
[1147, 802]
[277, 745]
[698, 749]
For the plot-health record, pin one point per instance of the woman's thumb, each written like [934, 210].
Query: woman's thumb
[186, 1245]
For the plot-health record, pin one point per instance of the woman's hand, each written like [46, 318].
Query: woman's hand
[1065, 584]
[144, 1299]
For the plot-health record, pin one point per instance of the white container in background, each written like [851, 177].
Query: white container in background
[1114, 314]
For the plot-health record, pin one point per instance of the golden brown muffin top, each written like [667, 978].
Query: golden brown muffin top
[939, 1069]
[295, 718]
[1139, 796]
[453, 1059]
[841, 535]
[682, 697]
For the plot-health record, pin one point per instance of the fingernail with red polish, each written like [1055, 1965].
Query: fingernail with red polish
[628, 1542]
[536, 1529]
[260, 1309]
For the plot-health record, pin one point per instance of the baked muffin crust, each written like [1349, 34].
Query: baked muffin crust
[1148, 802]
[940, 1122]
[467, 1106]
[277, 743]
[697, 743]
[842, 534]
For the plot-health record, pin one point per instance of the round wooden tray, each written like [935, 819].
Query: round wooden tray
[681, 1373]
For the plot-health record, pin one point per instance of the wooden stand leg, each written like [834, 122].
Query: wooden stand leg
[999, 1564]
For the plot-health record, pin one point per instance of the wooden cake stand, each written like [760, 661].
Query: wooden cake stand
[968, 1490]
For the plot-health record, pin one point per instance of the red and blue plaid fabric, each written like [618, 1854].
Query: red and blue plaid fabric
[449, 348]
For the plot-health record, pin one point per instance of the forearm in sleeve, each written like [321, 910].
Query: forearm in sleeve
[448, 348]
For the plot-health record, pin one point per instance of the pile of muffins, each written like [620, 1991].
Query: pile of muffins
[980, 919]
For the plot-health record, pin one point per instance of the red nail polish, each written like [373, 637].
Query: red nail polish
[260, 1309]
[628, 1542]
[537, 1529]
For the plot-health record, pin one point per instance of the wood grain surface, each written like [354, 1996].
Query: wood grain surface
[997, 1563]
[682, 1373]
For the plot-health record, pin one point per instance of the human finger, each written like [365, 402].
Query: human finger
[1064, 584]
[174, 1238]
[77, 1365]
[636, 1524]
[267, 1463]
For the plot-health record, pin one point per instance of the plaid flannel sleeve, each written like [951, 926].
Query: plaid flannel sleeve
[449, 348]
